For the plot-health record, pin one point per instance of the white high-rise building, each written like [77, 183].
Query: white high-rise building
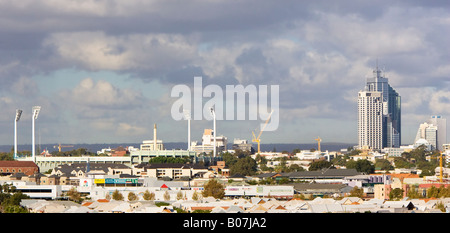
[441, 124]
[434, 131]
[427, 132]
[370, 119]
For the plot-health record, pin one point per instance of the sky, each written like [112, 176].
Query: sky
[103, 71]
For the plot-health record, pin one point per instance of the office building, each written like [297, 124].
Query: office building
[379, 114]
[434, 132]
[370, 120]
[427, 135]
[441, 124]
[240, 144]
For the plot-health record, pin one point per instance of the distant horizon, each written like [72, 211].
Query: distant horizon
[173, 145]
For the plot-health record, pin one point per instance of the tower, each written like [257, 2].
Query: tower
[441, 124]
[390, 115]
[370, 119]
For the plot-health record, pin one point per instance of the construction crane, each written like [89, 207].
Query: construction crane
[257, 139]
[318, 142]
[441, 171]
[61, 146]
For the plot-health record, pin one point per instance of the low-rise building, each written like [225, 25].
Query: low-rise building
[275, 191]
[313, 155]
[322, 176]
[83, 169]
[173, 171]
[12, 167]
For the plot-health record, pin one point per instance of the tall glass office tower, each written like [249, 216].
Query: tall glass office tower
[390, 133]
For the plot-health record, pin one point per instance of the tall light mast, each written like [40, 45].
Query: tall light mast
[36, 110]
[18, 114]
[187, 115]
[213, 113]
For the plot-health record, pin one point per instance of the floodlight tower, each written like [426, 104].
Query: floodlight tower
[187, 115]
[18, 114]
[213, 113]
[36, 110]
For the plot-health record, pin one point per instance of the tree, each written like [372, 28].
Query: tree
[213, 188]
[162, 159]
[396, 194]
[340, 160]
[357, 192]
[117, 196]
[245, 166]
[413, 193]
[74, 195]
[10, 199]
[401, 162]
[195, 196]
[149, 196]
[179, 195]
[132, 196]
[362, 165]
[384, 164]
[295, 168]
[166, 196]
[354, 152]
[319, 165]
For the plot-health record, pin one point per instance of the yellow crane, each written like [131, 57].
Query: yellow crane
[318, 142]
[61, 146]
[257, 139]
[441, 171]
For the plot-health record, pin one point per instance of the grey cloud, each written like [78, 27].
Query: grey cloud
[317, 51]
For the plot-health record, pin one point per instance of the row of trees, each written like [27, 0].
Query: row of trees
[10, 199]
[240, 163]
[211, 188]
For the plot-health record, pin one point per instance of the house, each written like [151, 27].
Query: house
[44, 206]
[172, 171]
[326, 208]
[82, 169]
[221, 168]
[119, 151]
[350, 201]
[36, 178]
[407, 205]
[11, 167]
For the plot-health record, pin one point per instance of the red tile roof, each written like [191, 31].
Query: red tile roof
[102, 200]
[17, 164]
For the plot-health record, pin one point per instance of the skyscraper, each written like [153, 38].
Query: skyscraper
[427, 132]
[370, 119]
[369, 115]
[441, 124]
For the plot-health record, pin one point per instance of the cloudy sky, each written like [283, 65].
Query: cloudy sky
[103, 70]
